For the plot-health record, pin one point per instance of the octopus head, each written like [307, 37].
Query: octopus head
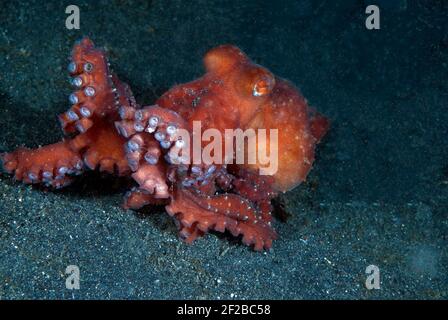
[249, 83]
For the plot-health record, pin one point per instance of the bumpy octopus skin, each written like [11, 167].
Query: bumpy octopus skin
[106, 129]
[91, 139]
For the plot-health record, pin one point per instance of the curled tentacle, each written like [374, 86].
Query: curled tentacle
[220, 213]
[142, 149]
[151, 178]
[163, 125]
[138, 198]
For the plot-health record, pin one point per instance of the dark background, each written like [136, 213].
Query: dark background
[377, 193]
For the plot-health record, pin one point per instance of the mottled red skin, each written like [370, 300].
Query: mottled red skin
[223, 99]
[92, 139]
[116, 136]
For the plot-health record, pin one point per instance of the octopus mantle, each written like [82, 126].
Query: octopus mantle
[106, 130]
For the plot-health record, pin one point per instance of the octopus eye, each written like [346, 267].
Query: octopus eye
[255, 81]
[261, 88]
[88, 67]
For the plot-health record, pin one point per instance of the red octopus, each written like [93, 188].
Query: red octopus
[106, 129]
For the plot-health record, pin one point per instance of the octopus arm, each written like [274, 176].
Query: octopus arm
[152, 131]
[99, 93]
[103, 148]
[151, 178]
[138, 198]
[95, 108]
[197, 215]
[258, 189]
[53, 165]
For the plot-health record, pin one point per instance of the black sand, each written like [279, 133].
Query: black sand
[377, 194]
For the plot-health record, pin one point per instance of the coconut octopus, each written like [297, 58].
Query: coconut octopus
[105, 129]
